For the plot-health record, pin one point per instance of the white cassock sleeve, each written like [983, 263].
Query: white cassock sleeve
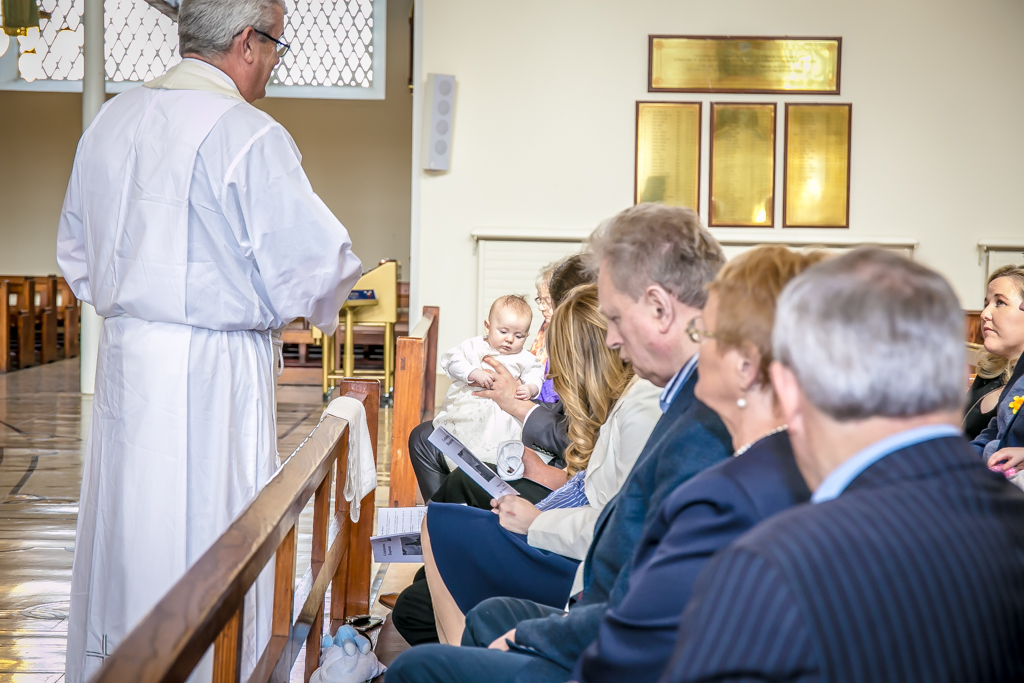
[303, 253]
[71, 255]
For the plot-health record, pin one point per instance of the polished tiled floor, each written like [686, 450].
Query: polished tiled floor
[43, 423]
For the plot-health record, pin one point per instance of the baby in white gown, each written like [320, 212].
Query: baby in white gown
[478, 422]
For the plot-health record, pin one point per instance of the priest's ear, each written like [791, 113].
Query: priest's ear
[246, 45]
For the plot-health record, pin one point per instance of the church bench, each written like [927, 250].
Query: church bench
[205, 607]
[41, 321]
[18, 298]
[415, 379]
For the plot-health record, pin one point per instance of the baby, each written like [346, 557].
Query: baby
[478, 422]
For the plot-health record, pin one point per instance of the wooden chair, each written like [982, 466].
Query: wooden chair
[415, 379]
[205, 606]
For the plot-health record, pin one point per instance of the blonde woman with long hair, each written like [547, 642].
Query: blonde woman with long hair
[533, 551]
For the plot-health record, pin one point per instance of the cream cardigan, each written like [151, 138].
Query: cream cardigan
[569, 531]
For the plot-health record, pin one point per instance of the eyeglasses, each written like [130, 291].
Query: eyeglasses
[543, 301]
[697, 335]
[282, 48]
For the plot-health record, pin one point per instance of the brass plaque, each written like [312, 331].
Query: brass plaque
[668, 153]
[817, 189]
[751, 65]
[742, 165]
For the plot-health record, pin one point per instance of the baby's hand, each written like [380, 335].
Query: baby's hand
[481, 379]
[525, 392]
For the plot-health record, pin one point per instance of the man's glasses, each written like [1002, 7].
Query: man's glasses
[697, 335]
[282, 48]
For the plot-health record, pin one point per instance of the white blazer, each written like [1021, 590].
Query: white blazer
[620, 441]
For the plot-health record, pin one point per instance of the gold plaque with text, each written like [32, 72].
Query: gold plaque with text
[817, 166]
[749, 65]
[742, 165]
[668, 153]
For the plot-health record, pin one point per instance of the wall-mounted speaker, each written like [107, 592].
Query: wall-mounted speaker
[438, 112]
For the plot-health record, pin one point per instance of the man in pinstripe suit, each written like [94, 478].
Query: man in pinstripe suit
[907, 564]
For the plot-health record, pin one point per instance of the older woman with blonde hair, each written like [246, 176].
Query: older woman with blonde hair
[533, 551]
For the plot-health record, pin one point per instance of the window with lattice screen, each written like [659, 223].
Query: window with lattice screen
[332, 55]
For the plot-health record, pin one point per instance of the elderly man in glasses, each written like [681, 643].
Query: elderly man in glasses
[191, 227]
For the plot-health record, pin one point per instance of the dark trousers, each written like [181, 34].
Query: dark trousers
[413, 615]
[427, 461]
[473, 662]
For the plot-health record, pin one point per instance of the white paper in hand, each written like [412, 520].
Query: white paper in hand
[483, 475]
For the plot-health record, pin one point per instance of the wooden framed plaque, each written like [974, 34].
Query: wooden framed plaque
[742, 165]
[744, 64]
[816, 193]
[667, 153]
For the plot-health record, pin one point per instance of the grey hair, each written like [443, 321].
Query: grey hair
[872, 333]
[208, 27]
[656, 243]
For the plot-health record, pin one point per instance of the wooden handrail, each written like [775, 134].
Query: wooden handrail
[206, 605]
[415, 380]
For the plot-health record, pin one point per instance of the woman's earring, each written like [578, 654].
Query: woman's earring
[741, 402]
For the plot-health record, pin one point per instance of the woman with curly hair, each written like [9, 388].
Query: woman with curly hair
[534, 553]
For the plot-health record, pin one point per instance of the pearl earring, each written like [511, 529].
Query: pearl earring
[741, 402]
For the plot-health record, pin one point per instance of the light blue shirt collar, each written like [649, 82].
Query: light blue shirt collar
[841, 477]
[668, 394]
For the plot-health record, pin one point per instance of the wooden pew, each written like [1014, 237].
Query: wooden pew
[47, 317]
[205, 606]
[69, 316]
[20, 300]
[415, 379]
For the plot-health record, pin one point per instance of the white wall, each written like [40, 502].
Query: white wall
[544, 122]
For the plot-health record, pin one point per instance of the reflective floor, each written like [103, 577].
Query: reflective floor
[43, 424]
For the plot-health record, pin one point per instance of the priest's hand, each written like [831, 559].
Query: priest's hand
[500, 642]
[515, 513]
[503, 391]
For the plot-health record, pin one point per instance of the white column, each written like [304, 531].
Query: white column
[93, 95]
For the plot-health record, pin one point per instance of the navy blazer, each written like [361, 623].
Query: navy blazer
[911, 574]
[688, 438]
[701, 517]
[1014, 436]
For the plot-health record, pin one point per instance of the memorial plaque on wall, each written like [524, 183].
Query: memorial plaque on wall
[742, 165]
[817, 166]
[668, 153]
[743, 64]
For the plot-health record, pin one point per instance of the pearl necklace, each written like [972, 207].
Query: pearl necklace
[743, 449]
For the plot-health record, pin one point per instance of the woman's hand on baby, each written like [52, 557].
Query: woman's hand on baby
[1007, 460]
[503, 390]
[481, 379]
[515, 513]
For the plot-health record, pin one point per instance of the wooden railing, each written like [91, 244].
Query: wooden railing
[415, 379]
[205, 606]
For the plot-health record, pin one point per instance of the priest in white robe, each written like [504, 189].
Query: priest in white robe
[191, 227]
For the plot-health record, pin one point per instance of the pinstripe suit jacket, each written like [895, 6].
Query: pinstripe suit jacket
[912, 574]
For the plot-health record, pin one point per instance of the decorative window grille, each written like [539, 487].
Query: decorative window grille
[332, 44]
[332, 53]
